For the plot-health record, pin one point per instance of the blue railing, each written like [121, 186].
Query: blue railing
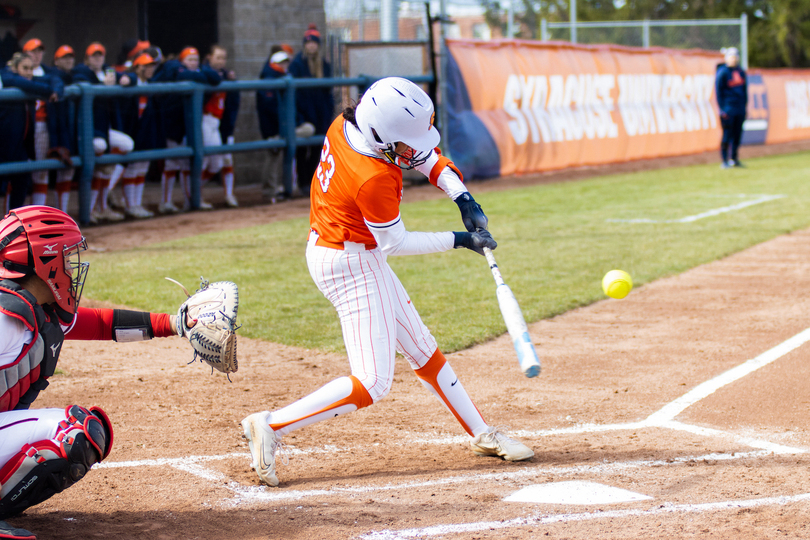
[83, 94]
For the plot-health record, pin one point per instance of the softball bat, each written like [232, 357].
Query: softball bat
[515, 323]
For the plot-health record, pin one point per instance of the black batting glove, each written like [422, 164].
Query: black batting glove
[475, 241]
[471, 213]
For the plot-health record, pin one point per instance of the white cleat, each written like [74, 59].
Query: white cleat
[263, 443]
[231, 201]
[494, 442]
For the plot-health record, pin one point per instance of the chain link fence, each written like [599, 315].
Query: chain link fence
[708, 34]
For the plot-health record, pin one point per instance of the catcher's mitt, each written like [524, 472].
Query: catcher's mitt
[213, 336]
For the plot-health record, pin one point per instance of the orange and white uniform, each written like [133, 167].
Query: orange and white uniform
[355, 224]
[212, 115]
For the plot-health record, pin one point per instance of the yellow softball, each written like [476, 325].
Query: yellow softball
[617, 284]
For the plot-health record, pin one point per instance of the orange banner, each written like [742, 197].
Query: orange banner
[783, 103]
[550, 105]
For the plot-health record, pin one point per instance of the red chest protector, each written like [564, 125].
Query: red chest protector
[22, 380]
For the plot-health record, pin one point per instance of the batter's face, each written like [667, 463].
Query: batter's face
[191, 61]
[65, 63]
[95, 61]
[26, 68]
[36, 55]
[219, 59]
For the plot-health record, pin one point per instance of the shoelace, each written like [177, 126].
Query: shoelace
[497, 433]
[281, 449]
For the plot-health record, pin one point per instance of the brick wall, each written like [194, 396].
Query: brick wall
[248, 28]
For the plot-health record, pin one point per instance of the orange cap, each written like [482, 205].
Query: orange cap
[64, 50]
[287, 48]
[94, 48]
[143, 60]
[138, 48]
[188, 51]
[32, 45]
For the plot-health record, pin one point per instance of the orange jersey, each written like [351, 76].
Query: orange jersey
[215, 105]
[349, 187]
[41, 112]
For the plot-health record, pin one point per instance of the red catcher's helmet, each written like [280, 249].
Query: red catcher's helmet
[47, 242]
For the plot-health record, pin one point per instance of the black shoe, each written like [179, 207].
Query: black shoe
[7, 532]
[737, 163]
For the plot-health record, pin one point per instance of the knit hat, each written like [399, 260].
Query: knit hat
[312, 34]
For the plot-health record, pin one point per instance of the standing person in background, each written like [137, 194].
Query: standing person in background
[107, 134]
[731, 87]
[130, 50]
[219, 120]
[269, 125]
[17, 125]
[315, 106]
[64, 61]
[142, 123]
[44, 118]
[186, 67]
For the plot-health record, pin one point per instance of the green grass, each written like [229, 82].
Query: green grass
[555, 244]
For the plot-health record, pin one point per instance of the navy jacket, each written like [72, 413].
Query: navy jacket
[731, 87]
[171, 105]
[106, 111]
[267, 104]
[17, 118]
[141, 120]
[314, 105]
[61, 130]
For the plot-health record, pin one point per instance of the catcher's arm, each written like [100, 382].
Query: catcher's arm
[208, 320]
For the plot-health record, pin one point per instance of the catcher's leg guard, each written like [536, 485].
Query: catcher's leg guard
[47, 467]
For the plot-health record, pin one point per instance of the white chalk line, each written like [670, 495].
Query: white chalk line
[663, 418]
[668, 508]
[709, 213]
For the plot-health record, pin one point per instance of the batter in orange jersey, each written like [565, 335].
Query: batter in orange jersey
[355, 225]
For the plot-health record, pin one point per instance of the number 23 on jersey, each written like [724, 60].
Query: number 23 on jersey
[326, 168]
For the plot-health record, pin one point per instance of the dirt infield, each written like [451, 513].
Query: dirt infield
[637, 394]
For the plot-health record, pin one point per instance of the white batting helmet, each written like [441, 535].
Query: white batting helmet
[396, 110]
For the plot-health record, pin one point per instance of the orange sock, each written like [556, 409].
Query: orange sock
[439, 378]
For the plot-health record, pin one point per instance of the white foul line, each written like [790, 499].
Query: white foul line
[458, 528]
[709, 213]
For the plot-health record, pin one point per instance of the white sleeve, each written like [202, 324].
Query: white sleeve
[394, 239]
[13, 337]
[448, 180]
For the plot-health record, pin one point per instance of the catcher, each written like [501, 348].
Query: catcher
[44, 451]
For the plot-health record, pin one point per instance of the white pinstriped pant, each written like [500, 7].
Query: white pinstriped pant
[376, 314]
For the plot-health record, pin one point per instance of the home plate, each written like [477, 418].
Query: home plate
[574, 492]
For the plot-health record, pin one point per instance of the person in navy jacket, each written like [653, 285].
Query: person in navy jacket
[107, 125]
[142, 122]
[731, 86]
[17, 124]
[267, 103]
[186, 67]
[315, 105]
[60, 128]
[44, 125]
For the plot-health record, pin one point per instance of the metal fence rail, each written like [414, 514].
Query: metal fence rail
[83, 95]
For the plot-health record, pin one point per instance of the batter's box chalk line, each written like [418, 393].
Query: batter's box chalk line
[663, 418]
[758, 199]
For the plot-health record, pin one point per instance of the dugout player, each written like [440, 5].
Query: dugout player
[185, 68]
[107, 134]
[64, 60]
[355, 225]
[44, 125]
[17, 124]
[731, 87]
[44, 451]
[142, 123]
[218, 123]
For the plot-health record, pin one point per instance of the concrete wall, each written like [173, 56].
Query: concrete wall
[248, 28]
